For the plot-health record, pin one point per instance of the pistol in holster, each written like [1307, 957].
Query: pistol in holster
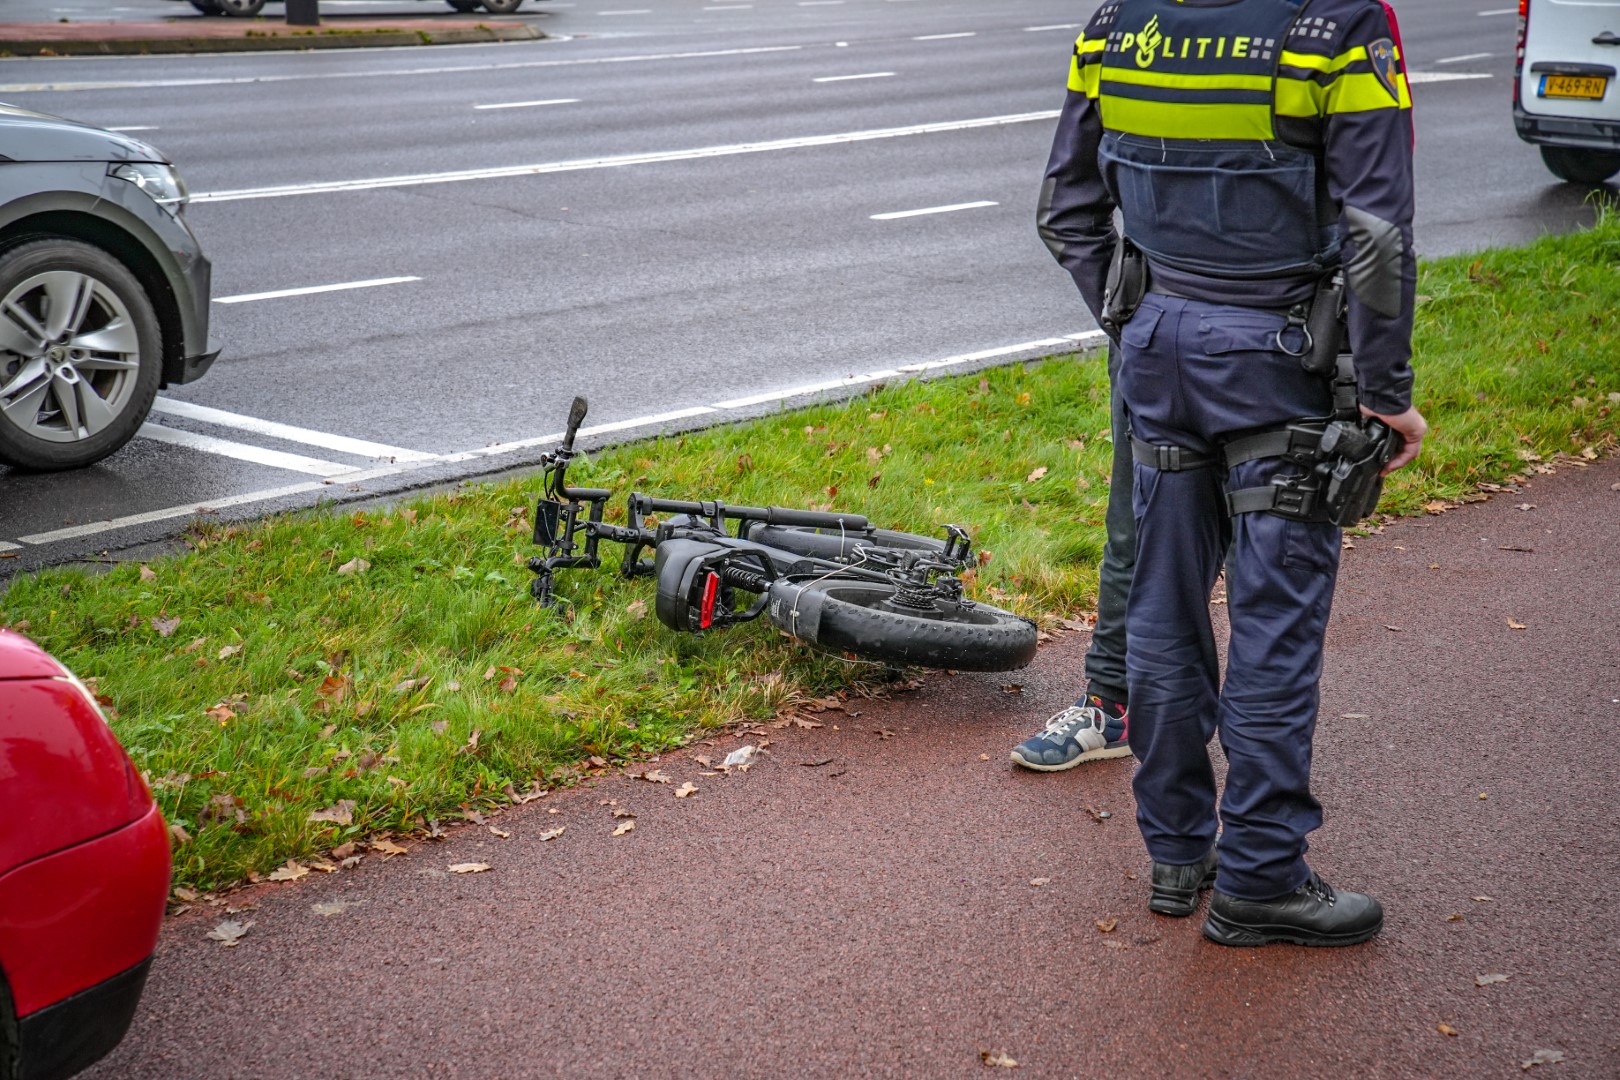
[1127, 283]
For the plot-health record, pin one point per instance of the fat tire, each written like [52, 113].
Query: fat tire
[208, 7]
[466, 7]
[502, 7]
[59, 253]
[826, 544]
[859, 617]
[1579, 166]
[241, 9]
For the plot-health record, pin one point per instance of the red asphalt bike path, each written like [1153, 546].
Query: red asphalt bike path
[875, 915]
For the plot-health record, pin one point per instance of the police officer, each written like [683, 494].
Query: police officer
[1253, 148]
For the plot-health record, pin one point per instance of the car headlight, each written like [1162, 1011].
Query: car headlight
[160, 181]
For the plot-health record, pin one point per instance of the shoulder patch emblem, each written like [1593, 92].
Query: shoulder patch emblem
[1381, 53]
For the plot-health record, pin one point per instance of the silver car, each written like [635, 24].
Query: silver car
[103, 289]
[1565, 96]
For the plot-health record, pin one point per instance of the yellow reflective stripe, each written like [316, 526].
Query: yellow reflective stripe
[1364, 92]
[1301, 97]
[1187, 82]
[1083, 77]
[1094, 45]
[1313, 62]
[1180, 120]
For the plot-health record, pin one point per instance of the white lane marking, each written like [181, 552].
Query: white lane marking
[310, 290]
[276, 459]
[1499, 11]
[847, 78]
[1415, 77]
[898, 214]
[266, 495]
[530, 104]
[819, 3]
[149, 84]
[628, 11]
[287, 432]
[134, 127]
[1054, 26]
[946, 37]
[1465, 58]
[657, 157]
[729, 7]
[9, 547]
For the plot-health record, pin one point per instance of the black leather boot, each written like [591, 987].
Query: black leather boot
[1313, 914]
[1175, 888]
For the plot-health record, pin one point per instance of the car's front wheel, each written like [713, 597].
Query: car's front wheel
[207, 7]
[465, 6]
[81, 354]
[1581, 166]
[502, 7]
[244, 9]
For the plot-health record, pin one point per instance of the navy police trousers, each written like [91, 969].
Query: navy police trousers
[1190, 373]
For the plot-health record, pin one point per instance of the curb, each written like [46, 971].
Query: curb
[263, 41]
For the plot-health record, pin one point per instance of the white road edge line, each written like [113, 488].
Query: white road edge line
[898, 214]
[656, 157]
[946, 37]
[847, 78]
[311, 290]
[530, 104]
[9, 547]
[1088, 337]
[1054, 26]
[1416, 77]
[343, 444]
[1465, 57]
[275, 459]
[149, 84]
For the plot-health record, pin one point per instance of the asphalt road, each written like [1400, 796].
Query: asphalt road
[677, 212]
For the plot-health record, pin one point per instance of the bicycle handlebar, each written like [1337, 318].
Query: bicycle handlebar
[769, 515]
[576, 417]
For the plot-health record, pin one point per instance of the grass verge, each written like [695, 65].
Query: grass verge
[384, 670]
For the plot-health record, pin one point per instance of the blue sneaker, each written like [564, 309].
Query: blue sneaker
[1092, 731]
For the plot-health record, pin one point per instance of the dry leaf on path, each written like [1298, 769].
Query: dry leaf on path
[292, 870]
[619, 811]
[1487, 980]
[339, 813]
[1482, 899]
[997, 1059]
[502, 833]
[1542, 1057]
[1039, 881]
[1447, 1030]
[552, 834]
[1514, 624]
[468, 867]
[388, 847]
[352, 861]
[686, 789]
[1107, 925]
[655, 777]
[229, 932]
[628, 826]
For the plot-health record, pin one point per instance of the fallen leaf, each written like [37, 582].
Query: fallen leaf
[291, 871]
[355, 565]
[552, 834]
[468, 867]
[686, 789]
[1446, 1029]
[147, 574]
[229, 932]
[1039, 881]
[1542, 1057]
[653, 776]
[229, 651]
[1484, 795]
[502, 833]
[628, 826]
[179, 833]
[164, 627]
[1487, 980]
[339, 813]
[1397, 629]
[1483, 899]
[520, 798]
[1513, 624]
[322, 865]
[1107, 925]
[1012, 688]
[352, 861]
[998, 1059]
[1525, 506]
[472, 743]
[984, 757]
[637, 609]
[1036, 475]
[1454, 917]
[190, 896]
[388, 847]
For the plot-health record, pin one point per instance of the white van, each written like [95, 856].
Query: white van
[1565, 94]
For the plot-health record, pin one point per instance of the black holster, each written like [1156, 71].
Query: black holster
[1126, 285]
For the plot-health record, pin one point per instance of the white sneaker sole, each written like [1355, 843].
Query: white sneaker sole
[1090, 755]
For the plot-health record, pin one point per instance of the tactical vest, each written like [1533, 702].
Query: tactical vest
[1189, 149]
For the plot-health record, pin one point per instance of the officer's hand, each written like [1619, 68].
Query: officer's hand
[1411, 426]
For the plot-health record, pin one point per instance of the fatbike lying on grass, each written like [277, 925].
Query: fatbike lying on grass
[827, 578]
